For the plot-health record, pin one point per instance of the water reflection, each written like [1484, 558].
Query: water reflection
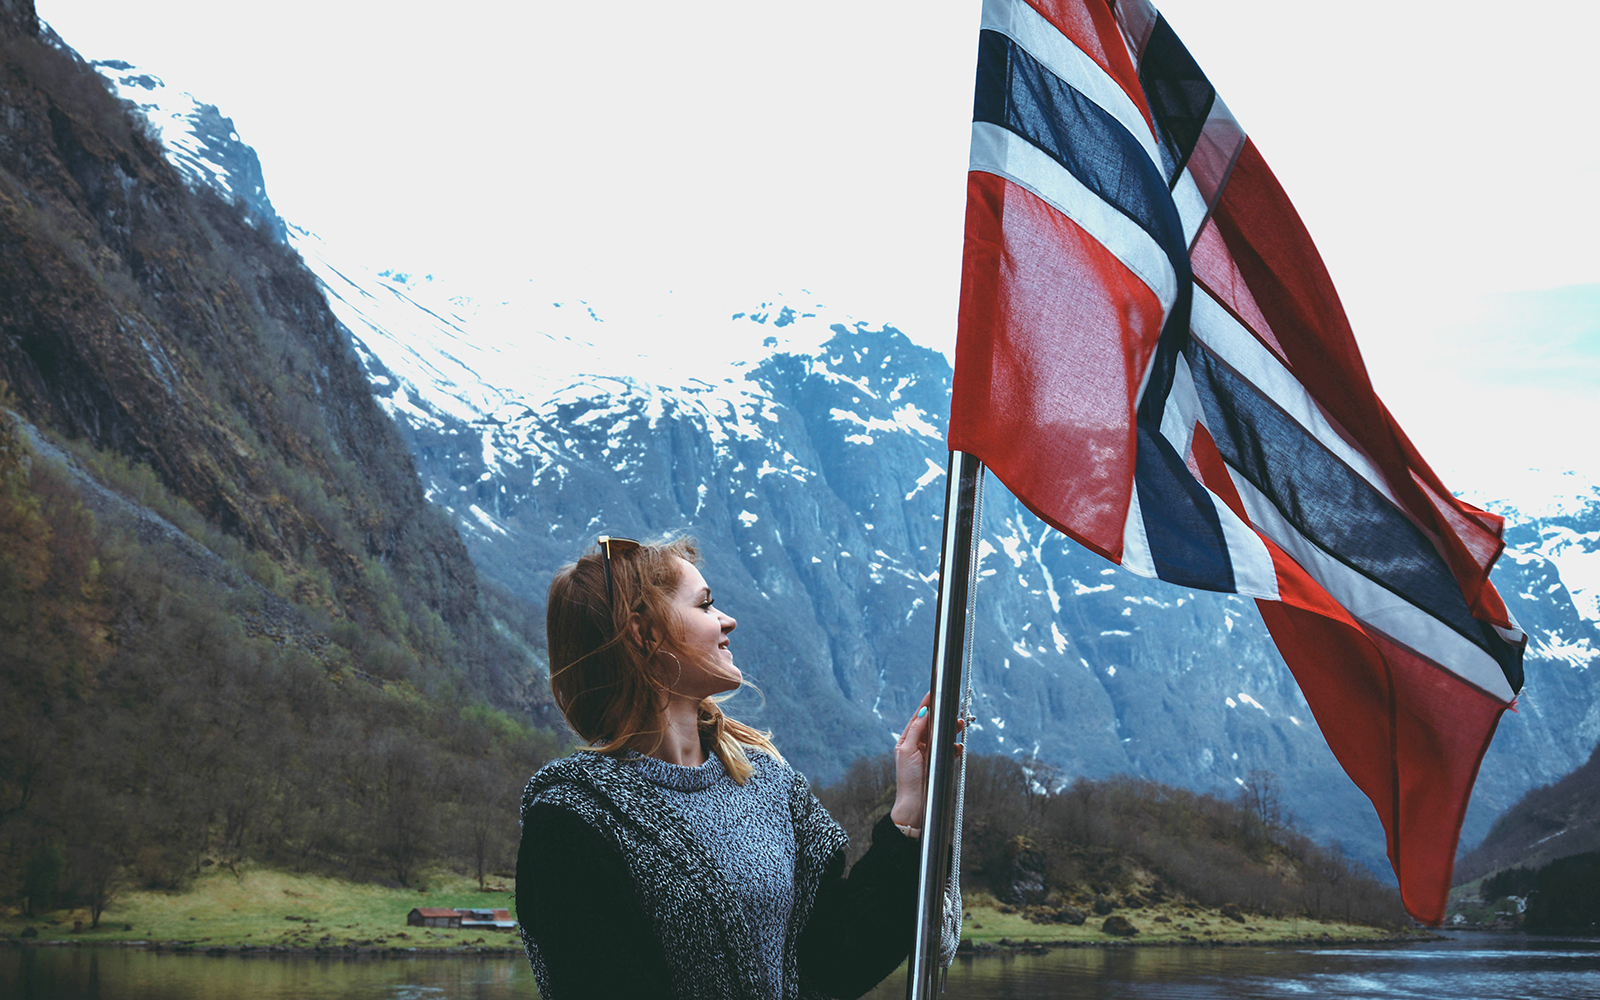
[118, 974]
[1484, 967]
[1501, 967]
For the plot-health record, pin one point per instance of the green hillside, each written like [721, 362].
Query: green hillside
[231, 624]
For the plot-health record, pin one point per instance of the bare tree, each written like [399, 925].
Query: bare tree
[1082, 794]
[41, 877]
[27, 749]
[489, 809]
[1262, 795]
[98, 850]
[407, 821]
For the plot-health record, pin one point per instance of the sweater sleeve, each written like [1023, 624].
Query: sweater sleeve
[861, 926]
[576, 901]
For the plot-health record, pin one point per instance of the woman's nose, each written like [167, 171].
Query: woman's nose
[728, 622]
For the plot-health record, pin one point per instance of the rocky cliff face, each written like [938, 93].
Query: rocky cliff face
[200, 141]
[165, 323]
[18, 17]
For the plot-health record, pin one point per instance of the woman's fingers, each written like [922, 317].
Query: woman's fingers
[912, 733]
[916, 726]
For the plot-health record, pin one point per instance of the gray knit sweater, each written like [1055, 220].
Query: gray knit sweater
[622, 891]
[747, 828]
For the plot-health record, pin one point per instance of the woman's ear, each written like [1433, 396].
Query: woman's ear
[639, 631]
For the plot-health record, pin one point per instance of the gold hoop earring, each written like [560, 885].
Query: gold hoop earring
[679, 662]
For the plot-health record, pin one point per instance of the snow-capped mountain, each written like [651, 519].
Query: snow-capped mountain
[1553, 515]
[804, 447]
[200, 142]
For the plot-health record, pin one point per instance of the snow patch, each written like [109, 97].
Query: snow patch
[1555, 646]
[487, 521]
[933, 472]
[1246, 699]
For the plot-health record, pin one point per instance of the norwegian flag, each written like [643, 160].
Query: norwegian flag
[1152, 357]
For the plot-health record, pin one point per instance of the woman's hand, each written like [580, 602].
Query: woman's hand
[911, 768]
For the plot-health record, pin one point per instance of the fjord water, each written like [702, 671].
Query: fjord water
[1480, 966]
[126, 974]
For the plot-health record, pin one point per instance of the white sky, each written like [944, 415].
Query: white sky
[747, 147]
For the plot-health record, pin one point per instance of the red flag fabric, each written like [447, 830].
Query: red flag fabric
[1152, 357]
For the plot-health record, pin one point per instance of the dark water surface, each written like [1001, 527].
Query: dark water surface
[1466, 967]
[127, 974]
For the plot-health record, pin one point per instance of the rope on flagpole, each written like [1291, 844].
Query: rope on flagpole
[950, 932]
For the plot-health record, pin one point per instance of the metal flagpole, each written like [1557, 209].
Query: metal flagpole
[956, 565]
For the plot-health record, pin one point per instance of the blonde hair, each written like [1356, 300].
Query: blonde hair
[600, 670]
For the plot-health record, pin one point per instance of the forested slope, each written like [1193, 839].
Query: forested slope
[1058, 853]
[1551, 822]
[230, 622]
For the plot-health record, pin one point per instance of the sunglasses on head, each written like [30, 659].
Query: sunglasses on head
[613, 545]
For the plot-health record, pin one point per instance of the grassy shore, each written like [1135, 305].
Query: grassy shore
[267, 909]
[263, 908]
[1184, 924]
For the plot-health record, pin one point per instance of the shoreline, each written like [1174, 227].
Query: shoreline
[1027, 946]
[274, 950]
[969, 950]
[273, 913]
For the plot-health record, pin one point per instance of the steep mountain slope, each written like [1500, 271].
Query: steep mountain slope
[154, 320]
[1548, 576]
[199, 141]
[231, 625]
[804, 447]
[1552, 821]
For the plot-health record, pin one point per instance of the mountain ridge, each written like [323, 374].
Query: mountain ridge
[1069, 581]
[804, 447]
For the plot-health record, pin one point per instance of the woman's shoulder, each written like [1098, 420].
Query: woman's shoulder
[580, 777]
[597, 787]
[591, 783]
[766, 760]
[583, 767]
[774, 768]
[803, 805]
[817, 834]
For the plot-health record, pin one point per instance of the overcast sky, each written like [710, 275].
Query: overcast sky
[1447, 166]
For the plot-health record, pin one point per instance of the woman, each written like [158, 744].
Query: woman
[678, 855]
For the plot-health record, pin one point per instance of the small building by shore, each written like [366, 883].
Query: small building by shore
[433, 916]
[494, 920]
[461, 919]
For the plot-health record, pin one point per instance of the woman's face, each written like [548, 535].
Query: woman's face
[703, 630]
